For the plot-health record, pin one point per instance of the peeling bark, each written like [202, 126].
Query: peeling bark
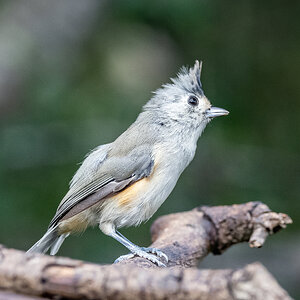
[185, 237]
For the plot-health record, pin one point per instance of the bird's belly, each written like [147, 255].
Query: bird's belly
[138, 202]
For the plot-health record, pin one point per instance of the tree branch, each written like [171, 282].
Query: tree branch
[185, 237]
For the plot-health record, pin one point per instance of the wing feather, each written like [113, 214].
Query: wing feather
[73, 199]
[92, 182]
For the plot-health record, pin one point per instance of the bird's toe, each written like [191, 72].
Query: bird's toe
[124, 257]
[141, 253]
[157, 252]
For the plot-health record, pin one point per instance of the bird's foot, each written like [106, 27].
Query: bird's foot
[157, 252]
[143, 252]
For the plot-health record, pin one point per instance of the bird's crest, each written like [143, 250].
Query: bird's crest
[189, 78]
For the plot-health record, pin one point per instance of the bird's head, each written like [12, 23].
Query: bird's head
[183, 101]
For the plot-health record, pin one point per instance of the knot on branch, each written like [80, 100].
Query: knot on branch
[250, 222]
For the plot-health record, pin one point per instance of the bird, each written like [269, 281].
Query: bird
[123, 183]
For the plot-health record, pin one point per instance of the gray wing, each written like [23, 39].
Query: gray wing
[100, 176]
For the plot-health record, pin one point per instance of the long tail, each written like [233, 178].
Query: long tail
[51, 239]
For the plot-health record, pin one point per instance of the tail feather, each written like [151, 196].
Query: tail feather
[50, 239]
[56, 245]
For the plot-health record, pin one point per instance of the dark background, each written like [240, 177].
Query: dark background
[74, 74]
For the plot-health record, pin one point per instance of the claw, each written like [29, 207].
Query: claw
[157, 252]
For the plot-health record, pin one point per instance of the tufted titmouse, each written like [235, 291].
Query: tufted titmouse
[123, 183]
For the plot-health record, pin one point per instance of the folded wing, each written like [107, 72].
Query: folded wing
[100, 176]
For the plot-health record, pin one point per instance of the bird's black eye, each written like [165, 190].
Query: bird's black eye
[193, 100]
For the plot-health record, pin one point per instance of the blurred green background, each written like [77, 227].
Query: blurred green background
[74, 74]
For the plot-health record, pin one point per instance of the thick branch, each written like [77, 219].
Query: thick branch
[189, 236]
[185, 237]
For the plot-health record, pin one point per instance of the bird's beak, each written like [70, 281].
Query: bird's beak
[216, 112]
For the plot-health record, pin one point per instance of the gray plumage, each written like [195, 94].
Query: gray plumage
[123, 183]
[44, 244]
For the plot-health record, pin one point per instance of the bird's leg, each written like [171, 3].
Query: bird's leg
[138, 251]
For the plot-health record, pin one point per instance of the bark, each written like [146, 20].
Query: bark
[185, 237]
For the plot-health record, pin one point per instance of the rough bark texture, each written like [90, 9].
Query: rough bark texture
[185, 237]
